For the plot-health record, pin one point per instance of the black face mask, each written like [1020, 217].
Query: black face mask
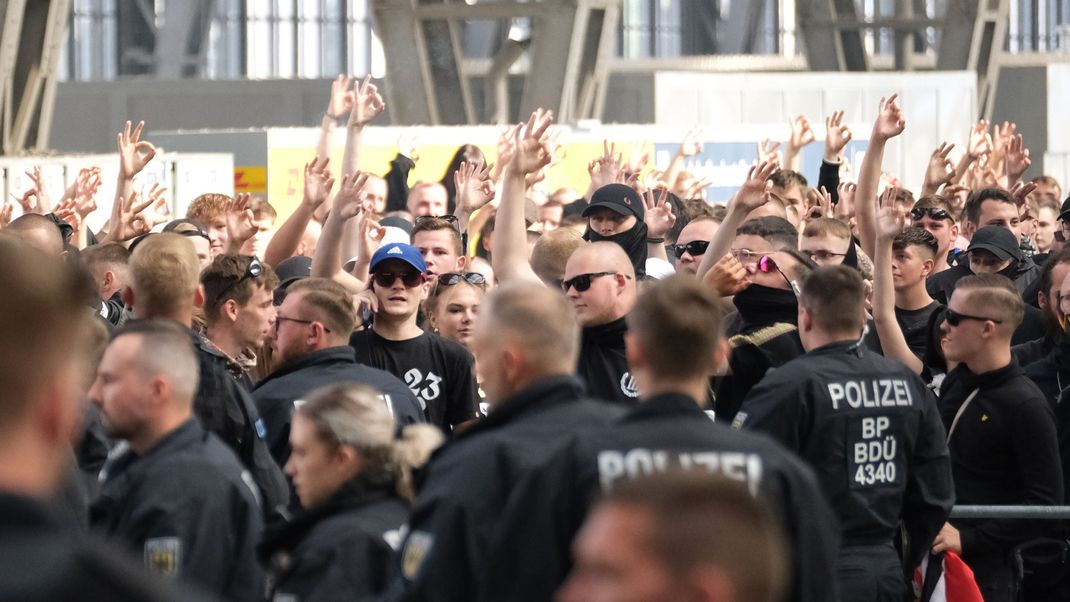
[767, 304]
[851, 258]
[1009, 271]
[633, 242]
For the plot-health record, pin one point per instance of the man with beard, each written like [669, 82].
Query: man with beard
[1054, 271]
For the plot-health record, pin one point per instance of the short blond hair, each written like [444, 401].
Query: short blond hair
[540, 319]
[164, 274]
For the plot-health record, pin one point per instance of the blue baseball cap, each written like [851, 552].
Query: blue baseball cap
[401, 251]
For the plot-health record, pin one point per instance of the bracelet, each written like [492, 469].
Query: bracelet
[655, 241]
[334, 117]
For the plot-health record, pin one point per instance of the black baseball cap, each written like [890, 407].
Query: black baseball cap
[1064, 211]
[619, 197]
[996, 240]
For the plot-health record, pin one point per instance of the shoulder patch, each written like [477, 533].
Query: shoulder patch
[762, 336]
[737, 422]
[163, 555]
[417, 545]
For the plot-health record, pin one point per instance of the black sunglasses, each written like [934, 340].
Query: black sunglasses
[954, 318]
[583, 281]
[409, 278]
[451, 278]
[253, 270]
[933, 212]
[695, 248]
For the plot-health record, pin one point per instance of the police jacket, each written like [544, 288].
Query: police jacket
[225, 408]
[531, 556]
[300, 376]
[1051, 374]
[343, 550]
[45, 560]
[445, 554]
[1004, 451]
[871, 430]
[189, 508]
[602, 364]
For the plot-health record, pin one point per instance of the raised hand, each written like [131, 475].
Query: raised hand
[1021, 191]
[1001, 135]
[66, 212]
[769, 151]
[692, 144]
[941, 169]
[134, 153]
[43, 201]
[980, 142]
[370, 236]
[128, 223]
[318, 183]
[637, 160]
[473, 185]
[845, 209]
[837, 135]
[727, 277]
[239, 219]
[890, 222]
[1015, 158]
[349, 201]
[28, 201]
[367, 104]
[157, 211]
[890, 122]
[821, 205]
[606, 169]
[755, 190]
[887, 198]
[342, 97]
[802, 133]
[5, 215]
[530, 151]
[658, 214]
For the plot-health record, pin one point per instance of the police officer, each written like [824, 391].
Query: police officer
[178, 496]
[868, 427]
[672, 350]
[526, 341]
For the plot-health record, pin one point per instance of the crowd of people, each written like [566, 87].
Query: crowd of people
[478, 389]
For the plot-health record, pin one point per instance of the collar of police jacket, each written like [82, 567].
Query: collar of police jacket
[665, 404]
[540, 395]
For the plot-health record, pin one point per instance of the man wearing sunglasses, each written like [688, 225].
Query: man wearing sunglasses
[310, 339]
[1001, 432]
[238, 309]
[694, 238]
[934, 214]
[600, 283]
[437, 371]
[869, 428]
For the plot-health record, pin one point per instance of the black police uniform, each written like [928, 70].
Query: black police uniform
[872, 432]
[467, 482]
[275, 395]
[530, 557]
[226, 409]
[45, 560]
[602, 364]
[343, 550]
[189, 508]
[1004, 451]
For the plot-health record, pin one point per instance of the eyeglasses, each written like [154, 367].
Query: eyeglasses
[253, 270]
[695, 248]
[408, 278]
[746, 256]
[767, 265]
[933, 212]
[954, 318]
[823, 255]
[583, 281]
[280, 319]
[451, 278]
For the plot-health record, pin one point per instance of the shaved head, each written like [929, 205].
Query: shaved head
[608, 254]
[612, 286]
[39, 232]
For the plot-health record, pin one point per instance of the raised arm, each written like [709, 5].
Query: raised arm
[510, 246]
[893, 343]
[134, 155]
[474, 190]
[318, 184]
[691, 146]
[888, 125]
[802, 134]
[752, 194]
[338, 107]
[327, 260]
[367, 104]
[940, 171]
[659, 220]
[239, 220]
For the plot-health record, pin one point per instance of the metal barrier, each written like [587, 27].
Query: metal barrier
[1034, 512]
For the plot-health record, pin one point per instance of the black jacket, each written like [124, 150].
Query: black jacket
[1004, 451]
[298, 377]
[531, 555]
[397, 183]
[1052, 375]
[1033, 351]
[602, 365]
[445, 556]
[343, 550]
[871, 430]
[189, 508]
[45, 560]
[226, 409]
[941, 284]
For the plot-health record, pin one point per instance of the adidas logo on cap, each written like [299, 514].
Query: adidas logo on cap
[394, 251]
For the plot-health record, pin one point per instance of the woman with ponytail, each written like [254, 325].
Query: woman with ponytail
[353, 476]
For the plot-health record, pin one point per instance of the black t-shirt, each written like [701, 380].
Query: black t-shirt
[915, 326]
[437, 371]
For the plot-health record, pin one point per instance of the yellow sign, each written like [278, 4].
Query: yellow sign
[252, 179]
